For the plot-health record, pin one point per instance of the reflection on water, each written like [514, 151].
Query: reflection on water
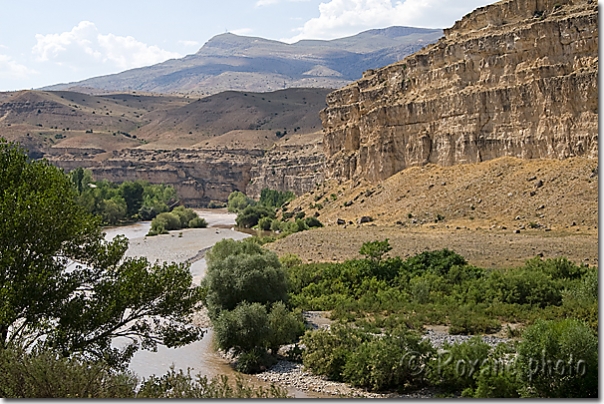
[199, 356]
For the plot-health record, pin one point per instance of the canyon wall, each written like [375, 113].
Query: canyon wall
[515, 78]
[296, 164]
[198, 176]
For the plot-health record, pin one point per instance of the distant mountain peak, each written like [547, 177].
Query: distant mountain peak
[244, 63]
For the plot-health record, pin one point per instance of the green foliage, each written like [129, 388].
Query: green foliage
[45, 374]
[183, 385]
[238, 201]
[243, 328]
[313, 222]
[285, 326]
[179, 218]
[265, 223]
[242, 271]
[132, 200]
[387, 362]
[375, 250]
[559, 359]
[275, 199]
[457, 366]
[78, 310]
[525, 286]
[250, 216]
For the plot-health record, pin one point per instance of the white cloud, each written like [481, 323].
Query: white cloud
[339, 18]
[84, 45]
[10, 69]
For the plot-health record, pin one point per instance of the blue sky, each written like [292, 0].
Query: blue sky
[50, 42]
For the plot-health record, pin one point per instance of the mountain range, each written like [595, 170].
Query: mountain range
[233, 62]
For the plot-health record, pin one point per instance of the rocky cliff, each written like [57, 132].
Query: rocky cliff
[515, 78]
[294, 164]
[199, 176]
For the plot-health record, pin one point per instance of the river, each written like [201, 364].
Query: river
[180, 246]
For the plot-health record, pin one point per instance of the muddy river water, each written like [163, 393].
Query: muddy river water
[181, 246]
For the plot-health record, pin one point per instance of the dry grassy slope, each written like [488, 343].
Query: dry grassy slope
[155, 122]
[221, 113]
[482, 205]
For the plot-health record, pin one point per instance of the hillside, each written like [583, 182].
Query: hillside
[496, 213]
[204, 147]
[231, 62]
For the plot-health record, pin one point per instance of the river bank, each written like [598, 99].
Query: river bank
[188, 245]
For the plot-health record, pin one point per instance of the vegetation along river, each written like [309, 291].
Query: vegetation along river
[180, 246]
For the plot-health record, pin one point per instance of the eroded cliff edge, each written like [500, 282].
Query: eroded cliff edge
[515, 78]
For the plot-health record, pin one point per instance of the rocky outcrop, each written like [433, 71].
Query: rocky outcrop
[295, 165]
[198, 176]
[515, 78]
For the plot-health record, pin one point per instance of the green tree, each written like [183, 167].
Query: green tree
[238, 201]
[132, 192]
[63, 286]
[242, 271]
[559, 359]
[375, 250]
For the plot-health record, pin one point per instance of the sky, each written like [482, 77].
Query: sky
[50, 42]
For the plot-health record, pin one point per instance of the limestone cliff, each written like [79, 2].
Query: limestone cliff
[198, 176]
[515, 78]
[294, 164]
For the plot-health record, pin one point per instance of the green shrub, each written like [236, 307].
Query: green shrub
[457, 366]
[300, 215]
[559, 359]
[238, 201]
[242, 329]
[313, 222]
[250, 216]
[242, 271]
[180, 385]
[285, 326]
[265, 223]
[523, 287]
[392, 361]
[275, 199]
[185, 215]
[198, 222]
[216, 204]
[327, 351]
[47, 374]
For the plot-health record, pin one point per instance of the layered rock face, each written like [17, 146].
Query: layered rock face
[515, 78]
[295, 165]
[198, 176]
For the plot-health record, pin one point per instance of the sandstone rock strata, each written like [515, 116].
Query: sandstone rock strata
[515, 78]
[295, 165]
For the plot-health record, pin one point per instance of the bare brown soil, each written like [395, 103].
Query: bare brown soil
[496, 214]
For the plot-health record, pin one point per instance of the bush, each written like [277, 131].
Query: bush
[198, 223]
[238, 201]
[243, 329]
[275, 199]
[216, 204]
[327, 351]
[265, 223]
[458, 365]
[47, 374]
[242, 271]
[385, 362]
[250, 216]
[523, 287]
[166, 221]
[185, 215]
[285, 327]
[313, 222]
[559, 359]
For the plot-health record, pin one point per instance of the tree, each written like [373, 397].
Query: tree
[242, 271]
[375, 250]
[238, 201]
[132, 192]
[64, 287]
